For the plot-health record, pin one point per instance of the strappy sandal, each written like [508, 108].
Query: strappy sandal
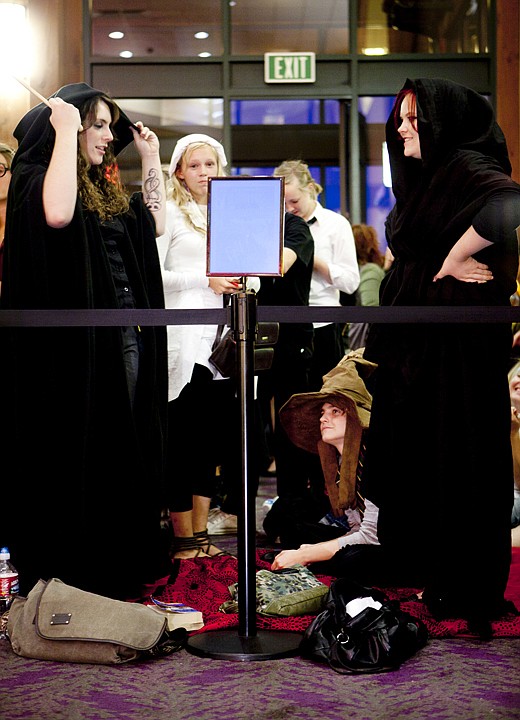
[182, 544]
[205, 544]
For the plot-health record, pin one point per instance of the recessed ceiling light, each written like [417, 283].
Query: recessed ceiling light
[116, 35]
[126, 54]
[205, 54]
[201, 35]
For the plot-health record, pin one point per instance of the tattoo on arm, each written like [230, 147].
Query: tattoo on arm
[152, 197]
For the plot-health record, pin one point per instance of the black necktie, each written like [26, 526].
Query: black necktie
[312, 220]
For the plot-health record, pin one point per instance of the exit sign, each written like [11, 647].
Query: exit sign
[290, 67]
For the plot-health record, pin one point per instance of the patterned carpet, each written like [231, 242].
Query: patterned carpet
[452, 678]
[456, 679]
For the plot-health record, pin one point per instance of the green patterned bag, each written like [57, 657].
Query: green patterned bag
[292, 591]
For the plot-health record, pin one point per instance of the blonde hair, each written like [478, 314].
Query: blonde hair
[177, 190]
[296, 171]
[515, 370]
[8, 152]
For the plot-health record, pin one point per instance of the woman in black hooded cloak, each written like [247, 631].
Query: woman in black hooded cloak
[83, 408]
[438, 461]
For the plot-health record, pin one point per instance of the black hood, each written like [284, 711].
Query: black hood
[450, 118]
[35, 134]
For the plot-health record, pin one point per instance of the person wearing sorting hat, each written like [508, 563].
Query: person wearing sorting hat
[203, 411]
[334, 423]
[83, 407]
[330, 423]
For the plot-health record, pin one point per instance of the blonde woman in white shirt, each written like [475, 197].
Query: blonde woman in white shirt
[335, 263]
[202, 406]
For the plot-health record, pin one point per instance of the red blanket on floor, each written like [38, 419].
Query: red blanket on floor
[204, 584]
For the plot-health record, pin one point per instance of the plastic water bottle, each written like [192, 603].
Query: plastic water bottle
[8, 585]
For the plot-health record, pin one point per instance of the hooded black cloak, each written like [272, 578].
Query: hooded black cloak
[82, 470]
[438, 461]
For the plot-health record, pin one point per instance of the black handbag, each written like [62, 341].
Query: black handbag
[375, 640]
[224, 353]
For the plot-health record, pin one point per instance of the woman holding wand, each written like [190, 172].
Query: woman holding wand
[83, 408]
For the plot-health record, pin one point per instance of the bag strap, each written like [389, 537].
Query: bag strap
[220, 328]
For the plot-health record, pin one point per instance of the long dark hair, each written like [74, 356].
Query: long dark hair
[99, 186]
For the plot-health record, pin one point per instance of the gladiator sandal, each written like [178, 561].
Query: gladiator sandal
[205, 544]
[181, 544]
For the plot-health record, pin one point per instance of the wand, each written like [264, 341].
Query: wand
[32, 90]
[37, 94]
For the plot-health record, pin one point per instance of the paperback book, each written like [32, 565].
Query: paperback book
[178, 614]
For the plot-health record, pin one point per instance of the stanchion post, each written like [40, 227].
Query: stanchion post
[248, 643]
[243, 323]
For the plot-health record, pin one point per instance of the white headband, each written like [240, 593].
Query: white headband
[183, 143]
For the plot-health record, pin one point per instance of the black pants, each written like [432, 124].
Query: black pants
[296, 521]
[288, 375]
[229, 492]
[203, 432]
[375, 566]
[328, 351]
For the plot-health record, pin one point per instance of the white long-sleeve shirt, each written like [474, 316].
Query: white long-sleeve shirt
[334, 244]
[364, 533]
[182, 253]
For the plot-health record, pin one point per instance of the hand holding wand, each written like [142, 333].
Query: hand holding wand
[37, 94]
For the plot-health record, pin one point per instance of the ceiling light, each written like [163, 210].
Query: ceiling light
[16, 45]
[205, 54]
[116, 35]
[126, 54]
[201, 35]
[375, 51]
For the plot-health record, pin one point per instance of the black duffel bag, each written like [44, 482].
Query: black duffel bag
[376, 639]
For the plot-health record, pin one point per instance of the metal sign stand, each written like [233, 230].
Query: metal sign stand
[249, 643]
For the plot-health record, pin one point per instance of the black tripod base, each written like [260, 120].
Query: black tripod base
[227, 645]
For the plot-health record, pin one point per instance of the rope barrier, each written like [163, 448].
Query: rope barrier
[273, 313]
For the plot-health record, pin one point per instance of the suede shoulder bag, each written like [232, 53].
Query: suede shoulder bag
[60, 622]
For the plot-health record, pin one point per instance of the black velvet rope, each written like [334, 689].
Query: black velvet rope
[284, 314]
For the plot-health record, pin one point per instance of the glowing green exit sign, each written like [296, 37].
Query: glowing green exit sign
[290, 67]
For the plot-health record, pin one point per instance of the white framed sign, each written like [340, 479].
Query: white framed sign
[245, 226]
